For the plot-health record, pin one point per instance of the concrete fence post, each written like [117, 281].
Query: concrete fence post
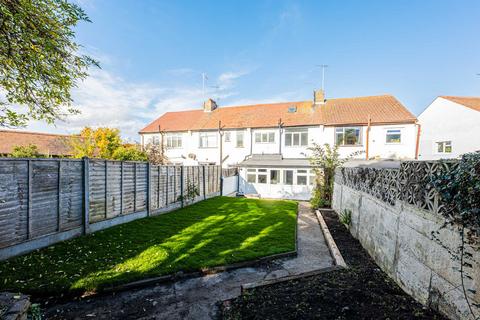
[181, 185]
[86, 195]
[149, 189]
[203, 181]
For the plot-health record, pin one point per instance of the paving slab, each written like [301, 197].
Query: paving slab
[197, 298]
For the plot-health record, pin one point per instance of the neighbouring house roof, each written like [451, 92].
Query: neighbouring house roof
[470, 102]
[274, 161]
[48, 144]
[380, 109]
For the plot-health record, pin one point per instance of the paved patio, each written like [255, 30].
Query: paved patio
[197, 298]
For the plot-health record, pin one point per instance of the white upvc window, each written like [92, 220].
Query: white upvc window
[274, 176]
[444, 147]
[208, 140]
[288, 177]
[227, 135]
[174, 140]
[265, 137]
[239, 141]
[393, 136]
[257, 175]
[296, 137]
[302, 177]
[348, 136]
[154, 140]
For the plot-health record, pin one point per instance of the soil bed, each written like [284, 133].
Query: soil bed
[362, 291]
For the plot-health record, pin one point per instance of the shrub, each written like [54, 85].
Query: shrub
[28, 151]
[345, 218]
[459, 191]
[129, 153]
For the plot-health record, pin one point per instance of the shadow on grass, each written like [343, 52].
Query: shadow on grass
[214, 232]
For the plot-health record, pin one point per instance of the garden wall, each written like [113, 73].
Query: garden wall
[396, 217]
[43, 201]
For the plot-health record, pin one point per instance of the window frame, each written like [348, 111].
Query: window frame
[444, 147]
[285, 179]
[279, 176]
[174, 137]
[359, 140]
[399, 130]
[227, 136]
[237, 140]
[265, 137]
[298, 135]
[207, 134]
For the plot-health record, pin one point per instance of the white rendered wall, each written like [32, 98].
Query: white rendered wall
[444, 120]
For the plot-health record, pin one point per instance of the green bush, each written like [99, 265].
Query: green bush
[129, 153]
[318, 199]
[459, 190]
[28, 151]
[345, 218]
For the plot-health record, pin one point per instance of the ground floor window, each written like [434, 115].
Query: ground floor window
[288, 177]
[274, 176]
[300, 177]
[444, 147]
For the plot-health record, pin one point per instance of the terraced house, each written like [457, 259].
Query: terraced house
[269, 142]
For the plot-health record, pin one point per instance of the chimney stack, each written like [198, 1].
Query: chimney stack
[209, 105]
[318, 97]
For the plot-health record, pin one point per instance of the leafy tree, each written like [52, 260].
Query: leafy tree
[324, 160]
[156, 154]
[39, 59]
[28, 151]
[129, 153]
[99, 143]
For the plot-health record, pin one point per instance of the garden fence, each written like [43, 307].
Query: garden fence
[43, 201]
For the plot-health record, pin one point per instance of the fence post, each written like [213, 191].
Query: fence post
[166, 185]
[121, 188]
[59, 194]
[149, 189]
[221, 180]
[181, 184]
[29, 211]
[106, 188]
[203, 180]
[86, 195]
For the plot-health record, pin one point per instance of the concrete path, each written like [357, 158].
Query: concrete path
[197, 298]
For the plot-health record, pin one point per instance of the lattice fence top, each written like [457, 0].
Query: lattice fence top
[411, 183]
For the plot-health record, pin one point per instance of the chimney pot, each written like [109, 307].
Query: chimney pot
[209, 105]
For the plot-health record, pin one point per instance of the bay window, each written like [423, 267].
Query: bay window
[348, 136]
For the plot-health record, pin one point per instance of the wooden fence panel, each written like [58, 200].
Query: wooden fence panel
[71, 194]
[128, 187]
[44, 202]
[97, 189]
[14, 202]
[114, 189]
[141, 188]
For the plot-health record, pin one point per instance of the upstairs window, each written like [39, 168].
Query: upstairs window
[444, 147]
[227, 136]
[264, 137]
[296, 137]
[155, 140]
[394, 136]
[174, 140]
[208, 140]
[239, 142]
[348, 136]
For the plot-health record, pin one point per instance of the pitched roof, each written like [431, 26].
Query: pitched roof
[48, 144]
[470, 102]
[381, 109]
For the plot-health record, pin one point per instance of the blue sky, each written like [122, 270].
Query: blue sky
[153, 53]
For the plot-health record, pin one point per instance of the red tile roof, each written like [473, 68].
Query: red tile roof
[48, 144]
[470, 102]
[381, 109]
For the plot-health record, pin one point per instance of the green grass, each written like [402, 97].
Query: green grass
[213, 232]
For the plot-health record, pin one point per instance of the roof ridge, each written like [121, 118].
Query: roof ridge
[461, 97]
[40, 133]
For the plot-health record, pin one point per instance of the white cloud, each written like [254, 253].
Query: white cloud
[105, 99]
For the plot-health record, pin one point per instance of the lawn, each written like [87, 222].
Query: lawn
[213, 232]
